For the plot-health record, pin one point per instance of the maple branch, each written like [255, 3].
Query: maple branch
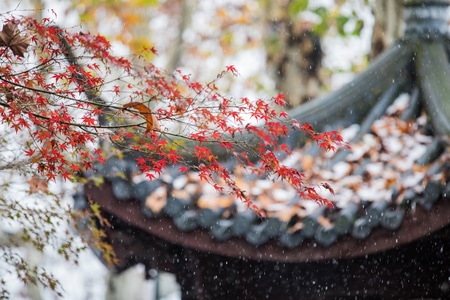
[185, 144]
[105, 105]
[81, 79]
[79, 125]
[16, 164]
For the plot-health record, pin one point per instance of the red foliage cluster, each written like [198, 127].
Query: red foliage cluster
[69, 91]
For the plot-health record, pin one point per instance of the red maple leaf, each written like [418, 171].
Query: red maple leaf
[232, 70]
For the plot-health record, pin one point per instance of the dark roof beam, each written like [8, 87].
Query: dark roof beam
[351, 102]
[434, 77]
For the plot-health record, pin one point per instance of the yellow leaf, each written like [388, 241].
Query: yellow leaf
[146, 113]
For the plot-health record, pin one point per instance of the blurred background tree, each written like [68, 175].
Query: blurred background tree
[280, 45]
[298, 47]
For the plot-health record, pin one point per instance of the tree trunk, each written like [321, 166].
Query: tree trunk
[185, 15]
[389, 25]
[294, 54]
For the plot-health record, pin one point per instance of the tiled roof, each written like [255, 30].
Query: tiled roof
[397, 116]
[395, 167]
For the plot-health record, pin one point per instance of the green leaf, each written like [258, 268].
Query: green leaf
[358, 27]
[321, 28]
[297, 6]
[322, 12]
[340, 24]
